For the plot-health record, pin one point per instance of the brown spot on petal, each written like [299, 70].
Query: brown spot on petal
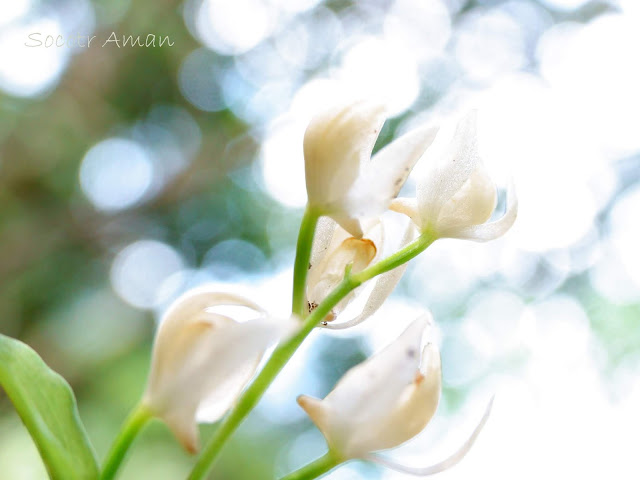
[419, 378]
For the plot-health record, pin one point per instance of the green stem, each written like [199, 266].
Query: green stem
[128, 432]
[303, 254]
[401, 257]
[318, 467]
[283, 352]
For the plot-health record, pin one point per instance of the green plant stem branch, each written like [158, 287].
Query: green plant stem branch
[315, 469]
[132, 426]
[303, 255]
[401, 257]
[284, 351]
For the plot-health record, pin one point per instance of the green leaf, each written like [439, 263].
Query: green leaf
[47, 407]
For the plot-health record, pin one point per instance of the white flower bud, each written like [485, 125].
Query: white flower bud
[202, 360]
[456, 197]
[384, 401]
[343, 181]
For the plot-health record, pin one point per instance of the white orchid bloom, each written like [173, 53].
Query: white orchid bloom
[456, 197]
[202, 360]
[384, 402]
[343, 181]
[334, 249]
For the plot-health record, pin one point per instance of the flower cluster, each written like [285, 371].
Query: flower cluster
[203, 360]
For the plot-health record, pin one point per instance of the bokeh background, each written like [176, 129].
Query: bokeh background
[128, 175]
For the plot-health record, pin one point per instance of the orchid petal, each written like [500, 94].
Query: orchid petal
[336, 143]
[408, 207]
[213, 407]
[349, 224]
[383, 177]
[181, 424]
[412, 411]
[239, 349]
[388, 371]
[322, 239]
[440, 466]
[473, 204]
[197, 300]
[451, 163]
[491, 230]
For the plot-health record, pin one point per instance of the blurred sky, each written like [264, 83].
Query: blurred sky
[178, 165]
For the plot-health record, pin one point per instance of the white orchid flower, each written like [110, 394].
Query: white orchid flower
[202, 360]
[333, 249]
[456, 197]
[343, 181]
[384, 402]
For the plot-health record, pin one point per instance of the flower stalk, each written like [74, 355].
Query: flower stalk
[303, 255]
[315, 469]
[130, 429]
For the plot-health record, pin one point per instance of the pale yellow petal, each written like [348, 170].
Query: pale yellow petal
[322, 239]
[411, 413]
[335, 144]
[445, 464]
[408, 207]
[384, 286]
[491, 230]
[472, 205]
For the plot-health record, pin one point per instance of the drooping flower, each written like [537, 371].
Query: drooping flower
[343, 181]
[202, 360]
[456, 196]
[384, 402]
[333, 249]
